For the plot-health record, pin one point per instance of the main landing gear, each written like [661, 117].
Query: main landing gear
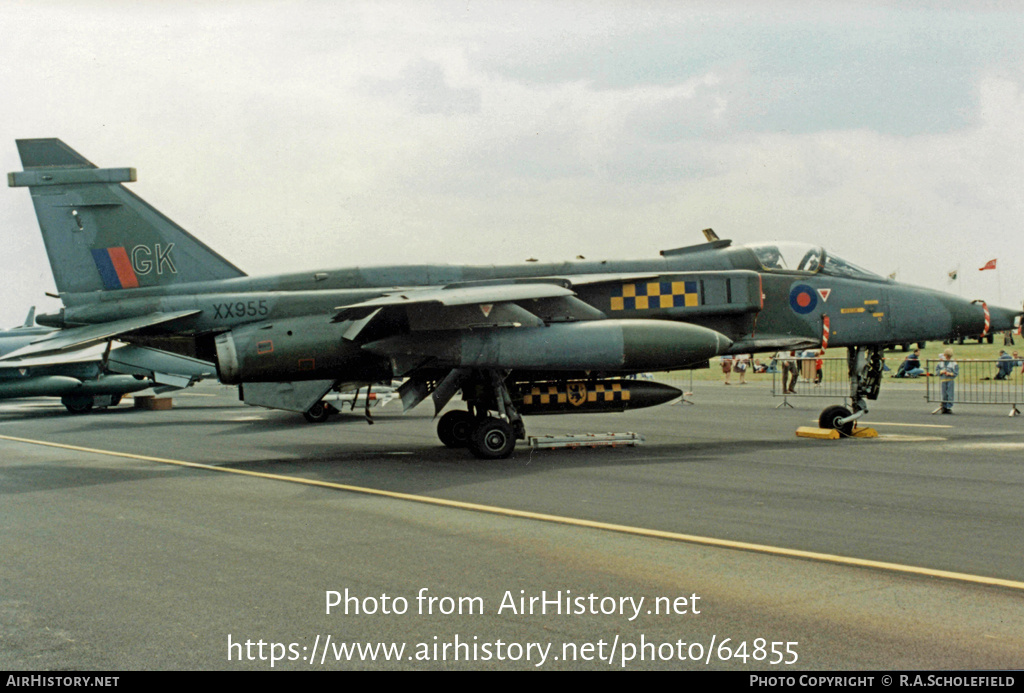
[491, 426]
[865, 367]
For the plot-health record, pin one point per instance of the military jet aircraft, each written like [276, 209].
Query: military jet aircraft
[89, 377]
[514, 339]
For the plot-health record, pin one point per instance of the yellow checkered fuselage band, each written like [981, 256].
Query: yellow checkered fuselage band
[655, 295]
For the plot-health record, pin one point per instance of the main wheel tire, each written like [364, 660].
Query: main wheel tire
[830, 418]
[492, 439]
[319, 412]
[77, 404]
[455, 428]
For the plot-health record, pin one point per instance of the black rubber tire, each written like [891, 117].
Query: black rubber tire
[492, 439]
[830, 419]
[455, 428]
[77, 404]
[319, 412]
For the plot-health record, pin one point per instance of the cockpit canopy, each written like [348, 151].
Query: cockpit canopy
[805, 258]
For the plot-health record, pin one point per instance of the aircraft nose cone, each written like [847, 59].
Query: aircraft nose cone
[1002, 319]
[974, 318]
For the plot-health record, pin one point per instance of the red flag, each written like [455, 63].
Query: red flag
[991, 264]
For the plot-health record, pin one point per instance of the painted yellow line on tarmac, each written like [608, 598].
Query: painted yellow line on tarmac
[558, 519]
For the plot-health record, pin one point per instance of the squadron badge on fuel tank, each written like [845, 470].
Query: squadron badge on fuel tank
[577, 393]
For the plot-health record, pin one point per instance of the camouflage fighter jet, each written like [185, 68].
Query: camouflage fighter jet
[514, 339]
[88, 377]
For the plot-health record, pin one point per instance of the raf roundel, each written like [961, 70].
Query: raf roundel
[803, 299]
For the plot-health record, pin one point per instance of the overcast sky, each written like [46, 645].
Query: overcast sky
[303, 135]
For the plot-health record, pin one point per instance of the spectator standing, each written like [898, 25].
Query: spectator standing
[790, 371]
[742, 362]
[947, 370]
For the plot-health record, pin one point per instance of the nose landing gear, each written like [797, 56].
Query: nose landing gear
[865, 366]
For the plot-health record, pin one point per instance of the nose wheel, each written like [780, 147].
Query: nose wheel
[833, 417]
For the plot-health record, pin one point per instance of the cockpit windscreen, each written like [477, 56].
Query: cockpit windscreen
[838, 267]
[789, 257]
[806, 258]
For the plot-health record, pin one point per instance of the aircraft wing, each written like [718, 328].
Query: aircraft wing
[458, 296]
[93, 352]
[488, 292]
[475, 306]
[60, 341]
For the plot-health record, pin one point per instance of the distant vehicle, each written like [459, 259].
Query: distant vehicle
[906, 346]
[979, 338]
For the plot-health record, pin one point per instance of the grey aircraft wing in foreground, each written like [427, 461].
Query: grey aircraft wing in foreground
[87, 377]
[513, 339]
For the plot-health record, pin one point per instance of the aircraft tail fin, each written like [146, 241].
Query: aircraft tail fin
[99, 235]
[30, 320]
